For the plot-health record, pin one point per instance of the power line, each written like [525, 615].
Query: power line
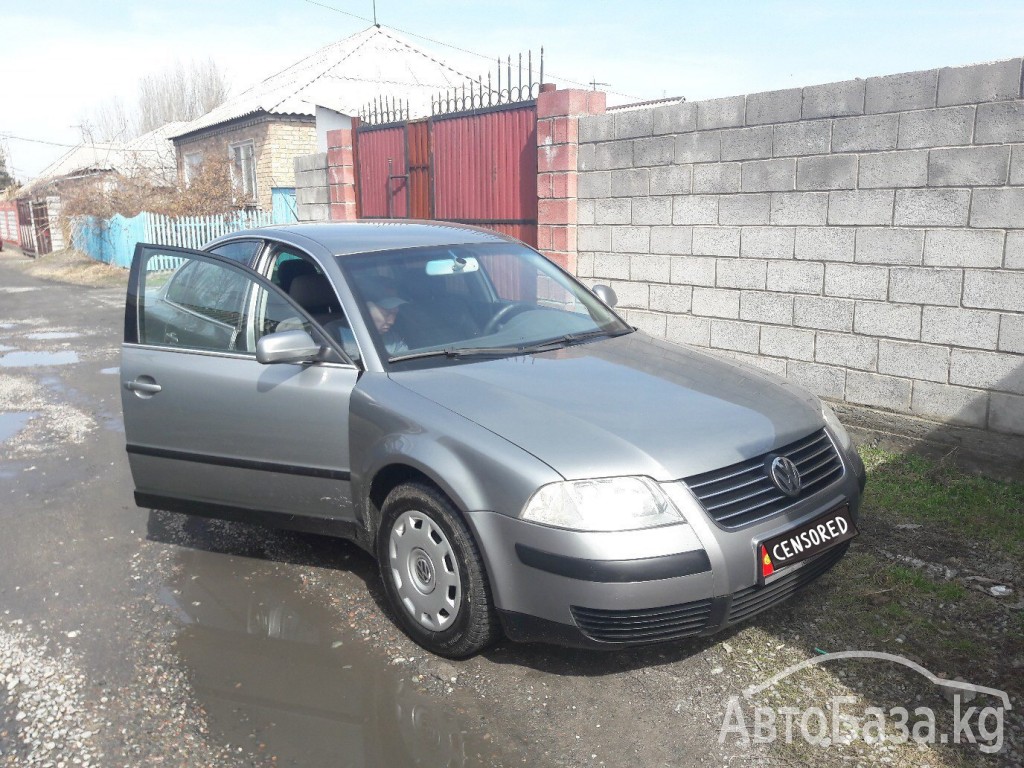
[448, 45]
[72, 146]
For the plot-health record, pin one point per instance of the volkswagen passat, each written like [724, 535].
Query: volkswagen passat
[517, 457]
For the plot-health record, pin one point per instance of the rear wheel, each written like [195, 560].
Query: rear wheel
[433, 574]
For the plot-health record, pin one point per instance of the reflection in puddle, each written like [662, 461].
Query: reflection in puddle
[18, 289]
[5, 348]
[47, 335]
[275, 676]
[32, 359]
[111, 371]
[12, 423]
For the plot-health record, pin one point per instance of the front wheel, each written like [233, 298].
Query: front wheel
[433, 574]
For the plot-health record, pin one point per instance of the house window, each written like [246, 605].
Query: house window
[243, 169]
[193, 166]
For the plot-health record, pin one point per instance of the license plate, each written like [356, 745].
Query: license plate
[810, 539]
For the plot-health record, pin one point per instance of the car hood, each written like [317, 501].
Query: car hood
[624, 406]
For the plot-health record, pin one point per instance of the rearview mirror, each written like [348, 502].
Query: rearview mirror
[287, 347]
[605, 294]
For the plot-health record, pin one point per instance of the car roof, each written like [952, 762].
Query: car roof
[351, 237]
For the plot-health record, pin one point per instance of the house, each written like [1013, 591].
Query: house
[262, 130]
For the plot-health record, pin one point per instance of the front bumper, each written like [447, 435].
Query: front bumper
[611, 590]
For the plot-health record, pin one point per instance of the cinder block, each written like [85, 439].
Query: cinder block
[885, 245]
[804, 138]
[1006, 413]
[864, 207]
[716, 178]
[768, 175]
[825, 314]
[644, 268]
[671, 240]
[771, 365]
[774, 107]
[795, 276]
[834, 99]
[995, 81]
[611, 266]
[671, 298]
[1001, 123]
[693, 270]
[996, 371]
[686, 329]
[671, 180]
[595, 184]
[677, 118]
[733, 334]
[825, 243]
[720, 113]
[1014, 256]
[856, 282]
[631, 239]
[653, 323]
[994, 290]
[594, 238]
[585, 265]
[960, 327]
[878, 391]
[613, 210]
[899, 93]
[1017, 166]
[760, 307]
[630, 183]
[586, 210]
[741, 273]
[312, 195]
[586, 158]
[766, 243]
[999, 207]
[610, 155]
[827, 172]
[597, 128]
[659, 150]
[634, 123]
[744, 209]
[921, 285]
[716, 302]
[968, 166]
[893, 169]
[632, 295]
[695, 209]
[313, 212]
[946, 403]
[946, 127]
[700, 147]
[822, 380]
[716, 241]
[652, 210]
[872, 133]
[963, 248]
[1011, 335]
[314, 162]
[895, 321]
[850, 351]
[796, 208]
[792, 343]
[747, 143]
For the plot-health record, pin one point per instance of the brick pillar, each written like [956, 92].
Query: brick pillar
[558, 115]
[341, 177]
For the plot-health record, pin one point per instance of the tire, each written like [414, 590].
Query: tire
[433, 574]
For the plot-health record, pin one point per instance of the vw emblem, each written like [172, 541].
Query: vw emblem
[424, 571]
[785, 475]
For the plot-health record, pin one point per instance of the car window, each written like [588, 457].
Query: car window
[241, 251]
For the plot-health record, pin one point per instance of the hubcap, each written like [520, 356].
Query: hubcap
[424, 570]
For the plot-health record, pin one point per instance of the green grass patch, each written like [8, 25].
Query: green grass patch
[921, 490]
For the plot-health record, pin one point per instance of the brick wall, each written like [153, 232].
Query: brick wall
[312, 195]
[863, 238]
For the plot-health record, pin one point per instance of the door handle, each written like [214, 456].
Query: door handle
[143, 387]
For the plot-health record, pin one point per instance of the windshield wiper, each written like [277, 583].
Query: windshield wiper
[559, 342]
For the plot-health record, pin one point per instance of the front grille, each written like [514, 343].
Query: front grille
[752, 600]
[645, 625]
[742, 493]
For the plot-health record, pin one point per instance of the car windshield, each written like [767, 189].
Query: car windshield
[472, 300]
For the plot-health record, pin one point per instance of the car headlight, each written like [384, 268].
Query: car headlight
[605, 504]
[836, 427]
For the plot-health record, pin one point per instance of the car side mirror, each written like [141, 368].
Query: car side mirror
[605, 294]
[287, 347]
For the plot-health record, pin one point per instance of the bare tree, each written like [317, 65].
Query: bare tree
[112, 122]
[182, 92]
[6, 179]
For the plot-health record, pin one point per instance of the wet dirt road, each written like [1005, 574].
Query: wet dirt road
[131, 637]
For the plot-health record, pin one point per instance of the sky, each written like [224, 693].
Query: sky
[62, 58]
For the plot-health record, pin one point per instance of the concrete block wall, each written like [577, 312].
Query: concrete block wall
[312, 194]
[863, 238]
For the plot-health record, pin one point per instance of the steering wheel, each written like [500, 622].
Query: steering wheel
[505, 314]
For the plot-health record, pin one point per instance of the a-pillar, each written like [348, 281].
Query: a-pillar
[341, 177]
[558, 115]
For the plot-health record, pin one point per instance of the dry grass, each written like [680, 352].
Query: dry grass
[68, 266]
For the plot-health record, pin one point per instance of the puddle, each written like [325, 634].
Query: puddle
[7, 326]
[5, 348]
[37, 359]
[276, 678]
[18, 289]
[12, 423]
[48, 335]
[111, 371]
